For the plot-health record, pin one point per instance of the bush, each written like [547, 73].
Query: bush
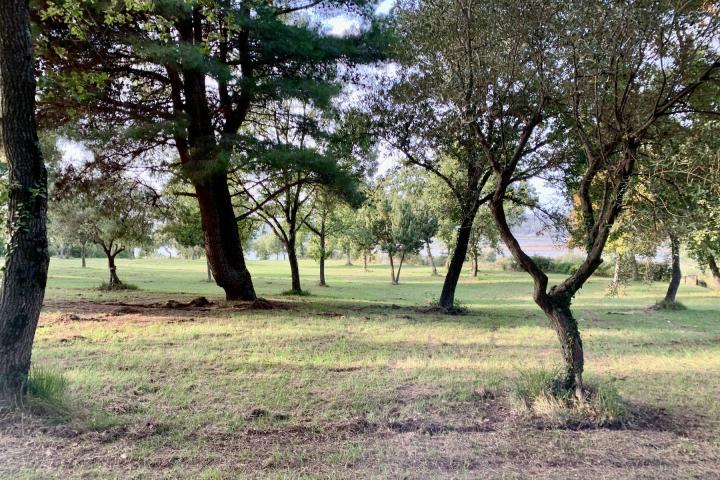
[46, 392]
[539, 393]
[106, 287]
[565, 265]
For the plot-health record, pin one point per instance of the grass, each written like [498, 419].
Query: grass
[45, 394]
[357, 381]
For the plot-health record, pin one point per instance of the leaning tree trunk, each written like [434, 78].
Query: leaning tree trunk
[712, 264]
[322, 261]
[294, 267]
[676, 273]
[430, 258]
[397, 277]
[222, 240]
[447, 296]
[26, 261]
[392, 270]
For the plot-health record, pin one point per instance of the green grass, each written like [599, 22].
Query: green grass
[356, 350]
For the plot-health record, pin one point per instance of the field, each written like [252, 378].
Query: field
[356, 381]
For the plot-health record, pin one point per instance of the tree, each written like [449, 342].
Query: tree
[184, 225]
[358, 232]
[615, 79]
[326, 221]
[187, 75]
[26, 260]
[307, 153]
[397, 229]
[117, 213]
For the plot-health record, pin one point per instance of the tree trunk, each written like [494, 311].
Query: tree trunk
[714, 270]
[430, 259]
[114, 279]
[26, 261]
[447, 296]
[475, 265]
[82, 255]
[557, 309]
[294, 267]
[322, 260]
[676, 273]
[634, 267]
[209, 271]
[392, 270]
[397, 277]
[615, 283]
[222, 240]
[648, 270]
[365, 260]
[349, 257]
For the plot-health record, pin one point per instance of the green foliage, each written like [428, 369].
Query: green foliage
[106, 287]
[561, 265]
[46, 392]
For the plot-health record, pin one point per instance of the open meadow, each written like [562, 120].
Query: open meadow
[356, 380]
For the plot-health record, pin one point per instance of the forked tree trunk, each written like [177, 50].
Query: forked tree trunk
[26, 261]
[430, 258]
[322, 260]
[294, 267]
[114, 279]
[222, 240]
[676, 273]
[712, 264]
[82, 255]
[447, 296]
[397, 276]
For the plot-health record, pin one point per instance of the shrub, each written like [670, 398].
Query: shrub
[565, 265]
[106, 287]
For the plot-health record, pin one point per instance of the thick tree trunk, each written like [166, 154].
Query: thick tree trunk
[209, 270]
[676, 273]
[431, 260]
[322, 261]
[392, 270]
[447, 296]
[294, 267]
[557, 309]
[82, 255]
[222, 240]
[712, 264]
[26, 261]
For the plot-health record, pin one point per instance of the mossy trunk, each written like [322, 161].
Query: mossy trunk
[26, 260]
[674, 284]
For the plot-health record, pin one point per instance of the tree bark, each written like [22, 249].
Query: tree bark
[82, 255]
[447, 296]
[209, 271]
[322, 260]
[475, 265]
[365, 260]
[26, 261]
[294, 267]
[676, 273]
[430, 258]
[222, 240]
[712, 264]
[349, 257]
[397, 277]
[114, 279]
[557, 309]
[392, 270]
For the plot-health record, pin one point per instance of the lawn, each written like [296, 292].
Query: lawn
[355, 381]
